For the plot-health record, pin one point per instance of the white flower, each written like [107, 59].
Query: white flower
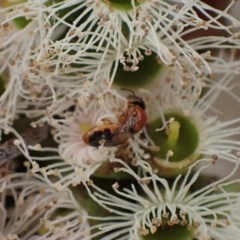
[93, 48]
[161, 25]
[21, 39]
[101, 31]
[74, 161]
[152, 202]
[90, 109]
[62, 69]
[166, 102]
[37, 211]
[70, 130]
[15, 58]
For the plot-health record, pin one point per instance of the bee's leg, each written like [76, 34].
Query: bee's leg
[106, 121]
[101, 142]
[103, 121]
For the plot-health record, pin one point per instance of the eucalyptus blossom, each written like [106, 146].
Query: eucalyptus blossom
[68, 73]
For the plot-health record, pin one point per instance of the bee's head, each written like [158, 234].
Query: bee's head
[133, 98]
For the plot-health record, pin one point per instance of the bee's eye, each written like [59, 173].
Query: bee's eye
[140, 104]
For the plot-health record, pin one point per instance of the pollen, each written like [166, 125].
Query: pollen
[153, 229]
[84, 127]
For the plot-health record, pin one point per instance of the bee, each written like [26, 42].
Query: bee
[131, 121]
[135, 113]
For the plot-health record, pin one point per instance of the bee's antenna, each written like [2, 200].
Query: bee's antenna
[129, 90]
